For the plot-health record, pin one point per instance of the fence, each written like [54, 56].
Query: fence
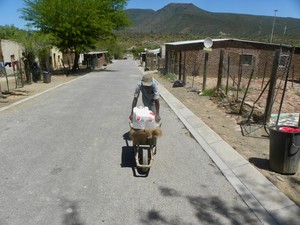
[245, 75]
[15, 78]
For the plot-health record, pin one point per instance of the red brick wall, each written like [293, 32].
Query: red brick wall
[295, 67]
[262, 62]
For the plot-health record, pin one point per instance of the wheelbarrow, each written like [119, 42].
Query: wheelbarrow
[144, 146]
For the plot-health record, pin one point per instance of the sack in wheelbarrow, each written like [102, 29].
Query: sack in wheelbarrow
[145, 136]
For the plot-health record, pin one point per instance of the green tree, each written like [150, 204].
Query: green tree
[113, 46]
[76, 25]
[36, 44]
[10, 32]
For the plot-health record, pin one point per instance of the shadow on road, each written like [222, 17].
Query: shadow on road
[128, 160]
[127, 157]
[127, 138]
[207, 210]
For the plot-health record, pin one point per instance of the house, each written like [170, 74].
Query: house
[240, 57]
[10, 55]
[90, 59]
[95, 59]
[151, 58]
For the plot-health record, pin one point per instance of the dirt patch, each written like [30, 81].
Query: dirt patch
[253, 142]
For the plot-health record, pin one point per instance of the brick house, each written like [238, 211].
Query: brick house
[187, 58]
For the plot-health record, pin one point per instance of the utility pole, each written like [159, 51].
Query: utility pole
[273, 26]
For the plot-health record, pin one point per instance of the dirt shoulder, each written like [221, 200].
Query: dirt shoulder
[254, 146]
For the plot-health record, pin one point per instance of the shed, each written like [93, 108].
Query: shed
[95, 59]
[151, 58]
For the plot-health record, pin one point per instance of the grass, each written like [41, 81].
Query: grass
[209, 92]
[169, 76]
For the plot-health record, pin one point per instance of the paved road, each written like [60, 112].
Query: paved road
[64, 161]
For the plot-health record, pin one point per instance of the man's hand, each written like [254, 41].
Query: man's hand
[131, 117]
[157, 118]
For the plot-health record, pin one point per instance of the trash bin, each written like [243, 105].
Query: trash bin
[46, 77]
[36, 76]
[284, 149]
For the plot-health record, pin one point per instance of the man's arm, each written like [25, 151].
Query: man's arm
[157, 106]
[134, 102]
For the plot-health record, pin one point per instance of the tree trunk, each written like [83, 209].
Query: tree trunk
[27, 71]
[75, 64]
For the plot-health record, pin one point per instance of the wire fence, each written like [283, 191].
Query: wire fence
[244, 77]
[12, 78]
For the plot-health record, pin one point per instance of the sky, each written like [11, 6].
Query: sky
[9, 13]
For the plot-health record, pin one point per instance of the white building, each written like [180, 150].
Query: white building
[56, 58]
[10, 55]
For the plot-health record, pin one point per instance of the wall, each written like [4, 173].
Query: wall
[189, 59]
[11, 48]
[56, 58]
[68, 59]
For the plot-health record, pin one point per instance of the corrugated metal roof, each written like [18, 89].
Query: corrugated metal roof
[154, 51]
[192, 42]
[92, 53]
[228, 39]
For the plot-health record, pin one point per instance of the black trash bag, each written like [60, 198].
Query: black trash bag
[178, 83]
[36, 75]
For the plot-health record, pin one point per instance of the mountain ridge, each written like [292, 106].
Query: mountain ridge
[186, 18]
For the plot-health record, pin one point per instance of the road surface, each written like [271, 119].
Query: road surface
[64, 160]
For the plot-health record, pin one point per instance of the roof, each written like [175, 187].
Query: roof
[154, 51]
[93, 53]
[221, 40]
[191, 42]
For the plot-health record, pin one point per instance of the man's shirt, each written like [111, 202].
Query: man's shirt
[148, 95]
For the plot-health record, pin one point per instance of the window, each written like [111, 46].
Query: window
[246, 59]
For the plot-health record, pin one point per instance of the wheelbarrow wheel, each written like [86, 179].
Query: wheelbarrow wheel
[144, 154]
[154, 149]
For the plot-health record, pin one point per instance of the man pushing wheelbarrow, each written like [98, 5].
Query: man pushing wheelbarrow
[150, 95]
[145, 122]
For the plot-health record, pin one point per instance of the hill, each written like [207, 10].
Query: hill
[180, 18]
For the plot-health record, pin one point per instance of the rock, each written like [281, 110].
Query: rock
[258, 116]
